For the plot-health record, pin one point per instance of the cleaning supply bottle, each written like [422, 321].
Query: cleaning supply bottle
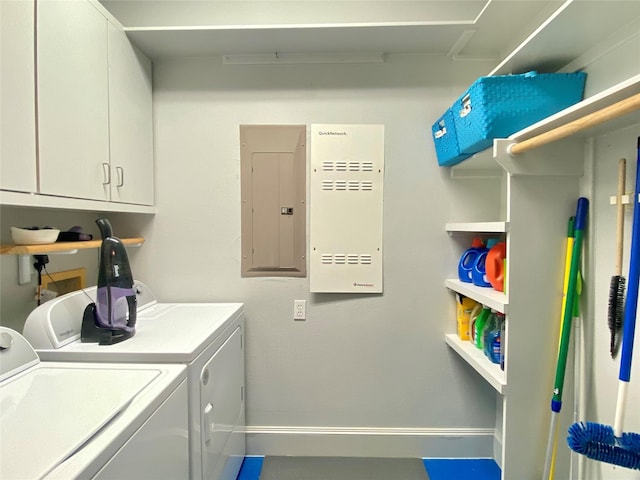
[488, 328]
[494, 340]
[495, 265]
[503, 328]
[479, 326]
[472, 321]
[464, 307]
[478, 271]
[468, 258]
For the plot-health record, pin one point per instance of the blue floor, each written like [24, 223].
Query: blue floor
[437, 468]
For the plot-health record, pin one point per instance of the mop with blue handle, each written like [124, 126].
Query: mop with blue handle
[602, 442]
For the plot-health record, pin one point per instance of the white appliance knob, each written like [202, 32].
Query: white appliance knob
[6, 340]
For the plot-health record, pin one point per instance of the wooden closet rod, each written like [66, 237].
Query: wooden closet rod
[603, 115]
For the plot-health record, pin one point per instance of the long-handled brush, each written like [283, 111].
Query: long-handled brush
[617, 286]
[602, 442]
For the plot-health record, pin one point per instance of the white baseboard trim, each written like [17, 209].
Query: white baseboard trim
[439, 432]
[370, 441]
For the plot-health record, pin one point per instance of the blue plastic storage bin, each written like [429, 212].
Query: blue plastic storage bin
[446, 140]
[496, 107]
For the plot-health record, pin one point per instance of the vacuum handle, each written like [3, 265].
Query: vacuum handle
[105, 228]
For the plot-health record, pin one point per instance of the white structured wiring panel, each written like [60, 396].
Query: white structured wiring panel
[347, 172]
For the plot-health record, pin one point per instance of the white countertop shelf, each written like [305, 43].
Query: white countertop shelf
[475, 357]
[309, 39]
[485, 295]
[479, 227]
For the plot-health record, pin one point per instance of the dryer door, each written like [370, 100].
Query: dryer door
[221, 402]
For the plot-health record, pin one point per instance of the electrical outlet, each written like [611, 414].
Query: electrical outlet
[299, 309]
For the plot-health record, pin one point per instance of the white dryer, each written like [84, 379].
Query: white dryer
[206, 337]
[89, 421]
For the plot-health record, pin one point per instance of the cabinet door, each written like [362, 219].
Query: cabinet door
[73, 113]
[130, 121]
[17, 100]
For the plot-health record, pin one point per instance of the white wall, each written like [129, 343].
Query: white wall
[358, 361]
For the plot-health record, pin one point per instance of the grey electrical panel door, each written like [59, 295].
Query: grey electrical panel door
[273, 184]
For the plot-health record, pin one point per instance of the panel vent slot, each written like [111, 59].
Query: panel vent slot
[352, 185]
[345, 259]
[365, 259]
[339, 258]
[343, 166]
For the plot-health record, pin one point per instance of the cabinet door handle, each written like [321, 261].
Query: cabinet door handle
[120, 173]
[106, 171]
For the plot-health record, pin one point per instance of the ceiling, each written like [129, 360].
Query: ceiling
[470, 29]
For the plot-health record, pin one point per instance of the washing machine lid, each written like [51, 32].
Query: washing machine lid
[50, 412]
[165, 333]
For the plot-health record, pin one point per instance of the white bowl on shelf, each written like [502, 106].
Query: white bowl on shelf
[42, 236]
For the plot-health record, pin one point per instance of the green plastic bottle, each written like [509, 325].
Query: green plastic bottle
[479, 326]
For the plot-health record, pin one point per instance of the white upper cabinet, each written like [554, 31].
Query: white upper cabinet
[130, 121]
[73, 109]
[17, 101]
[77, 114]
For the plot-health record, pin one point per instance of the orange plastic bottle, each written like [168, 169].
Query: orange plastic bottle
[494, 265]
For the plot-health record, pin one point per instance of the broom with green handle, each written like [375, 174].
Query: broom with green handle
[550, 459]
[565, 331]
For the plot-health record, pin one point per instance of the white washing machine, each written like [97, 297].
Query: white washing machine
[206, 337]
[89, 421]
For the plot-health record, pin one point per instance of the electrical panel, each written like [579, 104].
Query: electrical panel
[347, 173]
[273, 188]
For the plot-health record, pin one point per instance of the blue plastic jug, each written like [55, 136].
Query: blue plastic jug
[478, 271]
[468, 259]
